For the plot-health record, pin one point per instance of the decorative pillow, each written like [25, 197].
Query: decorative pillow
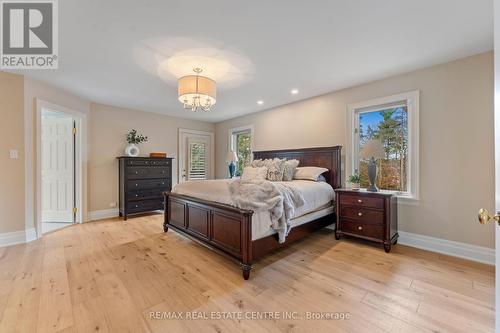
[275, 169]
[290, 166]
[308, 173]
[251, 174]
[321, 178]
[257, 163]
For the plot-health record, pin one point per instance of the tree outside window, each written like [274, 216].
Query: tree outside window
[243, 150]
[390, 126]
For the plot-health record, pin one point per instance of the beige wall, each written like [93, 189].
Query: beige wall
[12, 137]
[107, 129]
[456, 142]
[33, 90]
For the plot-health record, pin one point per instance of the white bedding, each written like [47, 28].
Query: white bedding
[317, 196]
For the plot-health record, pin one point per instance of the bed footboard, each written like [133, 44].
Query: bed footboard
[221, 227]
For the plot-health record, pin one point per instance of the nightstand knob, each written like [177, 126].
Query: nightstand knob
[360, 228]
[360, 214]
[360, 201]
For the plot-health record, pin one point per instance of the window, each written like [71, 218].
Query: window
[394, 122]
[197, 161]
[241, 143]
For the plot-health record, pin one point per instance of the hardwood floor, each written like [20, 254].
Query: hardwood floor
[112, 276]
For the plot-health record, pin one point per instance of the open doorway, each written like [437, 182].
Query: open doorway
[58, 170]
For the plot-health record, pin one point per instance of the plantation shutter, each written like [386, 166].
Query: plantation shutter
[197, 166]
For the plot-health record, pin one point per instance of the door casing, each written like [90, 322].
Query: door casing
[80, 119]
[182, 150]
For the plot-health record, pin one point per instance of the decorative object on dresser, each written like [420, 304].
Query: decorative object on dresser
[158, 155]
[369, 215]
[142, 182]
[133, 139]
[232, 158]
[355, 181]
[372, 151]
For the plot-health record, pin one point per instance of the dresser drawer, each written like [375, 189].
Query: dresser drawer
[363, 229]
[148, 162]
[148, 172]
[365, 201]
[362, 215]
[161, 163]
[149, 184]
[145, 194]
[145, 205]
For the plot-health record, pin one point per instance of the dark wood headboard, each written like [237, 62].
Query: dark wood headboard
[325, 157]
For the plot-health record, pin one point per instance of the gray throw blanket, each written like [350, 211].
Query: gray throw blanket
[278, 198]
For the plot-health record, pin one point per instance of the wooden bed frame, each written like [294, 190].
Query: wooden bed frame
[228, 230]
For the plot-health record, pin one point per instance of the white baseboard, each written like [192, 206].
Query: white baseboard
[17, 237]
[11, 238]
[462, 250]
[103, 214]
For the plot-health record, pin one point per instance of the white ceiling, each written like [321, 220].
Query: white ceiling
[119, 52]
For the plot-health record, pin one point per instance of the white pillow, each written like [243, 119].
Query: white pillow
[309, 173]
[290, 166]
[251, 174]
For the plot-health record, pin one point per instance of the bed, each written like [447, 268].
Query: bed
[238, 233]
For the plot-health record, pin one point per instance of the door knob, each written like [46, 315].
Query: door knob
[484, 217]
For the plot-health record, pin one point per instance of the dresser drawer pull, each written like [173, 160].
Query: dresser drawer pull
[360, 228]
[360, 214]
[136, 206]
[137, 172]
[360, 201]
[136, 185]
[136, 195]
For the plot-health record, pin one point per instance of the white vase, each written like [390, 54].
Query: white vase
[132, 150]
[355, 186]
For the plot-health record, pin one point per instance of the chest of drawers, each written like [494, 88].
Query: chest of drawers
[142, 183]
[369, 215]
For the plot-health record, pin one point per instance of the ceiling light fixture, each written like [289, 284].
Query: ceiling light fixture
[197, 92]
[260, 102]
[294, 91]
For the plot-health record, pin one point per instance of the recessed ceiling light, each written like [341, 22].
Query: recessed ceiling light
[294, 91]
[260, 102]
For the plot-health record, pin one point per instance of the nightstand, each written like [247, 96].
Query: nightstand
[369, 215]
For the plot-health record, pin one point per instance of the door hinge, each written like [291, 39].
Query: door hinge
[75, 210]
[74, 130]
[355, 131]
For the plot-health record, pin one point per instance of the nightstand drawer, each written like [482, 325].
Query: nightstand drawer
[359, 200]
[362, 215]
[362, 229]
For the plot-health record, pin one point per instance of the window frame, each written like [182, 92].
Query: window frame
[411, 99]
[233, 132]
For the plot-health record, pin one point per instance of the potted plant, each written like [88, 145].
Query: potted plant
[355, 180]
[133, 139]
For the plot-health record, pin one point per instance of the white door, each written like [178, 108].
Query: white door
[497, 158]
[57, 169]
[195, 155]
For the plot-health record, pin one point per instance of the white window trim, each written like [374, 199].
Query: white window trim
[235, 130]
[412, 100]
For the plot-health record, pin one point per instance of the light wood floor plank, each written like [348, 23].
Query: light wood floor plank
[111, 276]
